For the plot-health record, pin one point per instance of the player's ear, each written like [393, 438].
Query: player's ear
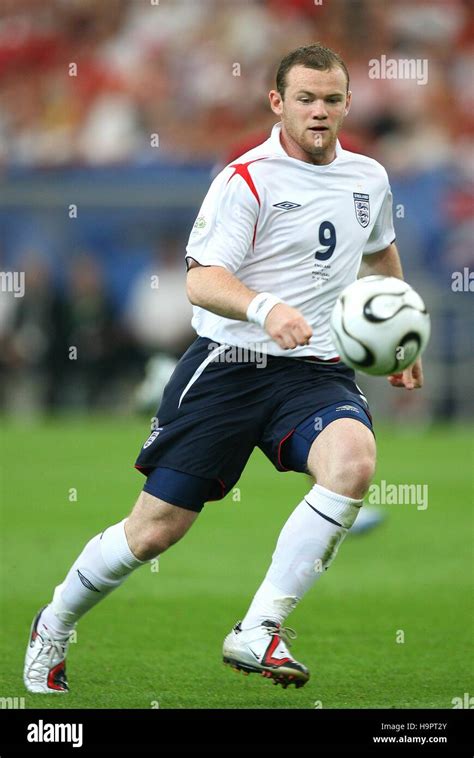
[276, 103]
[348, 102]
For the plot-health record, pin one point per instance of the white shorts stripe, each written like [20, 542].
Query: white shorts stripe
[362, 395]
[213, 354]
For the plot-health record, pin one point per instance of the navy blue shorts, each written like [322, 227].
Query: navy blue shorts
[221, 403]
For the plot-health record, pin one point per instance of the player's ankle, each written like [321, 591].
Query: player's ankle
[54, 624]
[270, 603]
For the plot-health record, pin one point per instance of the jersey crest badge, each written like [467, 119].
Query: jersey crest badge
[152, 437]
[362, 208]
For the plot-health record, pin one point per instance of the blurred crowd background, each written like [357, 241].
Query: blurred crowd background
[114, 116]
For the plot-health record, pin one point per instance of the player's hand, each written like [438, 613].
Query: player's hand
[287, 327]
[411, 378]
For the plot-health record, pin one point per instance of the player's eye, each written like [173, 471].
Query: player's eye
[304, 99]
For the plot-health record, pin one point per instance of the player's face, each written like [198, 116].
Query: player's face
[312, 112]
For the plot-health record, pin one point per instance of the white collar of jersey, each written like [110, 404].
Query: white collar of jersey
[278, 148]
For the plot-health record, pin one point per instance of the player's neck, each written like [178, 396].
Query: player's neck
[295, 151]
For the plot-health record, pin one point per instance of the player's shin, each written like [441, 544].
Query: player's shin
[103, 565]
[307, 545]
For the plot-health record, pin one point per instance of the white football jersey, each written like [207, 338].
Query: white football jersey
[294, 229]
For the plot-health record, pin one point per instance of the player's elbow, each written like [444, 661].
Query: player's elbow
[194, 281]
[201, 281]
[193, 290]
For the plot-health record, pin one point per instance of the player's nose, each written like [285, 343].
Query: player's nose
[319, 110]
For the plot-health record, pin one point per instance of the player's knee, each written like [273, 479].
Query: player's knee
[155, 539]
[356, 475]
[154, 526]
[349, 476]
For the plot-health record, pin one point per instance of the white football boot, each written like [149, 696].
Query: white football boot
[45, 661]
[264, 650]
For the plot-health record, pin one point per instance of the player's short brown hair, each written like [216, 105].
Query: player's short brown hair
[312, 56]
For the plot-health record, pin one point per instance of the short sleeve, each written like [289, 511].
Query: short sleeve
[383, 233]
[224, 228]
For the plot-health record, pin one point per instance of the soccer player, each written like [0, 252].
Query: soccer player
[280, 233]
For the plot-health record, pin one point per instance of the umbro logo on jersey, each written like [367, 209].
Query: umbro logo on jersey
[287, 206]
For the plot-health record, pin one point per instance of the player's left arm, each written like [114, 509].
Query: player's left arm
[386, 262]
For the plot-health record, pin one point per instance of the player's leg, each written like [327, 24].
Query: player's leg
[197, 431]
[342, 459]
[153, 526]
[111, 556]
[104, 564]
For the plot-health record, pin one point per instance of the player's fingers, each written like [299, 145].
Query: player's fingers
[302, 333]
[408, 381]
[293, 333]
[413, 377]
[291, 336]
[418, 376]
[285, 339]
[396, 380]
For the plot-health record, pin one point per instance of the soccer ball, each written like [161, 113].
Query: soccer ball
[380, 325]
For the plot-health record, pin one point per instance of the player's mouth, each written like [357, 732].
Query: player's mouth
[318, 129]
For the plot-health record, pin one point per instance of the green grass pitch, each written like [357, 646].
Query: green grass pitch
[156, 642]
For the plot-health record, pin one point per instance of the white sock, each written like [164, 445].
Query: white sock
[307, 545]
[103, 565]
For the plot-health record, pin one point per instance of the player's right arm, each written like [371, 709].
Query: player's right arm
[217, 290]
[221, 237]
